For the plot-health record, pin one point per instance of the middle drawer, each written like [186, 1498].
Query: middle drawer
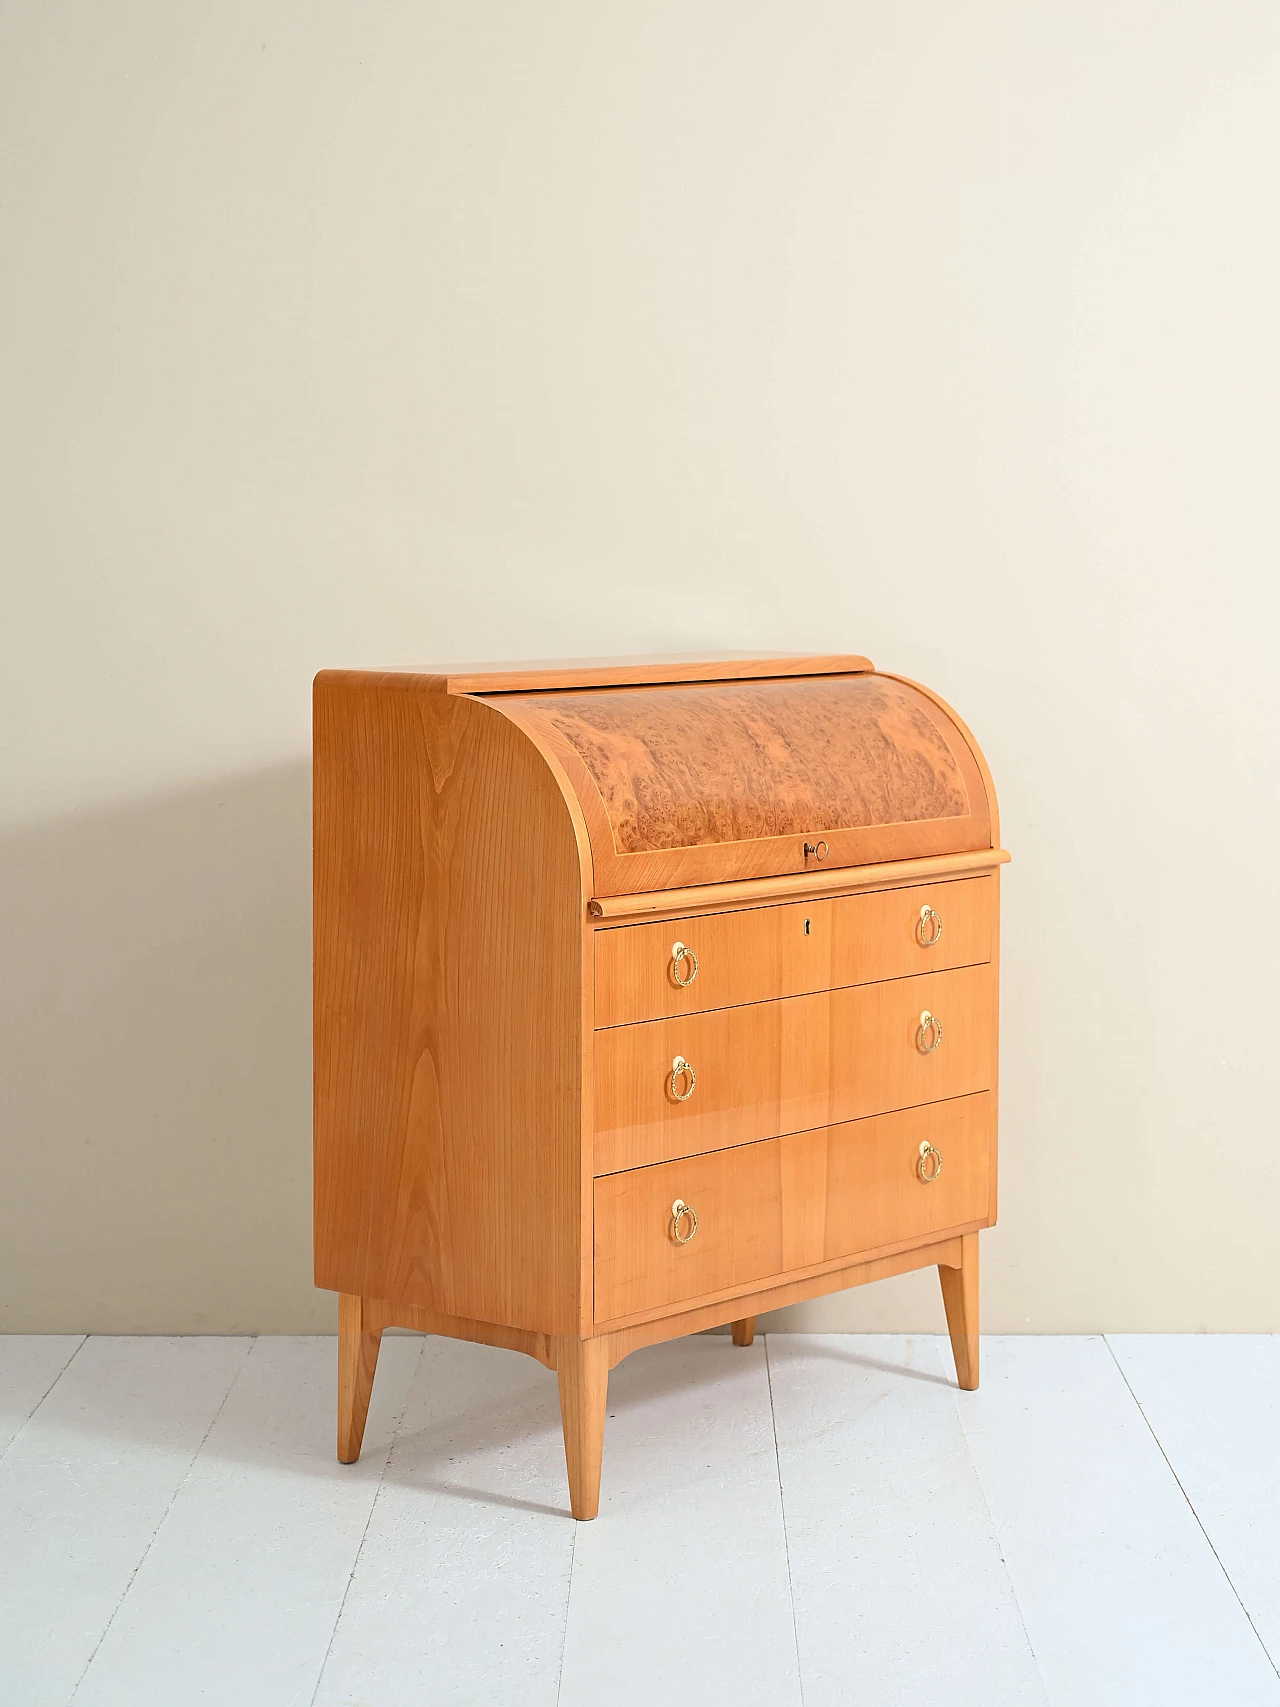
[774, 1067]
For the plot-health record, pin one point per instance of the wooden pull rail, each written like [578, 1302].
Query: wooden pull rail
[799, 886]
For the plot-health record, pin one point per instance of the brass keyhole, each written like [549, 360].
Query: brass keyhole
[806, 927]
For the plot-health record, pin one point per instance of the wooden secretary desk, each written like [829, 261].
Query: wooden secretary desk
[647, 997]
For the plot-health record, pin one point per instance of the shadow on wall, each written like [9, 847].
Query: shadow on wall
[155, 1066]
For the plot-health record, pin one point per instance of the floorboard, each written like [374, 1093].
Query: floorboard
[682, 1579]
[83, 1490]
[1123, 1598]
[901, 1595]
[1213, 1402]
[462, 1583]
[238, 1596]
[29, 1366]
[828, 1520]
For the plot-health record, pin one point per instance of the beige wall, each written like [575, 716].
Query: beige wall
[419, 332]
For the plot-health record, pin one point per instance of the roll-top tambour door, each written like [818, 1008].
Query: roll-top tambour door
[676, 1087]
[703, 782]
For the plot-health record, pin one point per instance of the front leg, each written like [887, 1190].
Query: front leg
[359, 1337]
[960, 1298]
[582, 1369]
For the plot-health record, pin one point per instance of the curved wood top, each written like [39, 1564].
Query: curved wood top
[630, 672]
[680, 767]
[703, 782]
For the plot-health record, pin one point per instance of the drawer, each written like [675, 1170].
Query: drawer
[788, 1204]
[775, 1067]
[761, 953]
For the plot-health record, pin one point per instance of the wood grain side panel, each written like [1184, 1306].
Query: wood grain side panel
[797, 1201]
[785, 1066]
[761, 954]
[449, 911]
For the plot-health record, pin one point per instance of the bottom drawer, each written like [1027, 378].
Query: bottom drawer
[785, 1204]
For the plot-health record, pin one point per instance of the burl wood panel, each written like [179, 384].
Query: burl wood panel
[762, 953]
[775, 1067]
[729, 762]
[449, 1097]
[787, 1204]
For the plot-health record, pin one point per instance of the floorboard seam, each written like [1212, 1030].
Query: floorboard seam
[1190, 1506]
[182, 1482]
[568, 1600]
[782, 1506]
[27, 1420]
[939, 1342]
[364, 1533]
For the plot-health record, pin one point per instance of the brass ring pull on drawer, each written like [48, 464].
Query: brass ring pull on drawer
[679, 1068]
[679, 955]
[930, 1027]
[929, 1171]
[928, 927]
[680, 1211]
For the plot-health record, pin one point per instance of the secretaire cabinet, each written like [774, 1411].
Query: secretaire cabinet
[647, 997]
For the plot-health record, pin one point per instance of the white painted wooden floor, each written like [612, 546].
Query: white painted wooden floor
[818, 1520]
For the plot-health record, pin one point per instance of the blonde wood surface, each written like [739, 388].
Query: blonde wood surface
[993, 1176]
[785, 1066]
[541, 1346]
[769, 891]
[632, 672]
[359, 1336]
[786, 1204]
[960, 1299]
[490, 843]
[450, 1098]
[763, 953]
[709, 783]
[624, 1337]
[582, 1368]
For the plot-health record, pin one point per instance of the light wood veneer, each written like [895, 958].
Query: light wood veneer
[757, 955]
[788, 1204]
[503, 861]
[775, 1067]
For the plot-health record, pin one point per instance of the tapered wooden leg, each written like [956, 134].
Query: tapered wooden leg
[960, 1296]
[359, 1336]
[744, 1331]
[582, 1367]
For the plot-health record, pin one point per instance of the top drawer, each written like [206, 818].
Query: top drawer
[762, 953]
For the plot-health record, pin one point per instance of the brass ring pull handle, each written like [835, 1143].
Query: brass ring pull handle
[930, 1027]
[680, 1211]
[927, 1170]
[816, 850]
[679, 1069]
[928, 927]
[680, 956]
